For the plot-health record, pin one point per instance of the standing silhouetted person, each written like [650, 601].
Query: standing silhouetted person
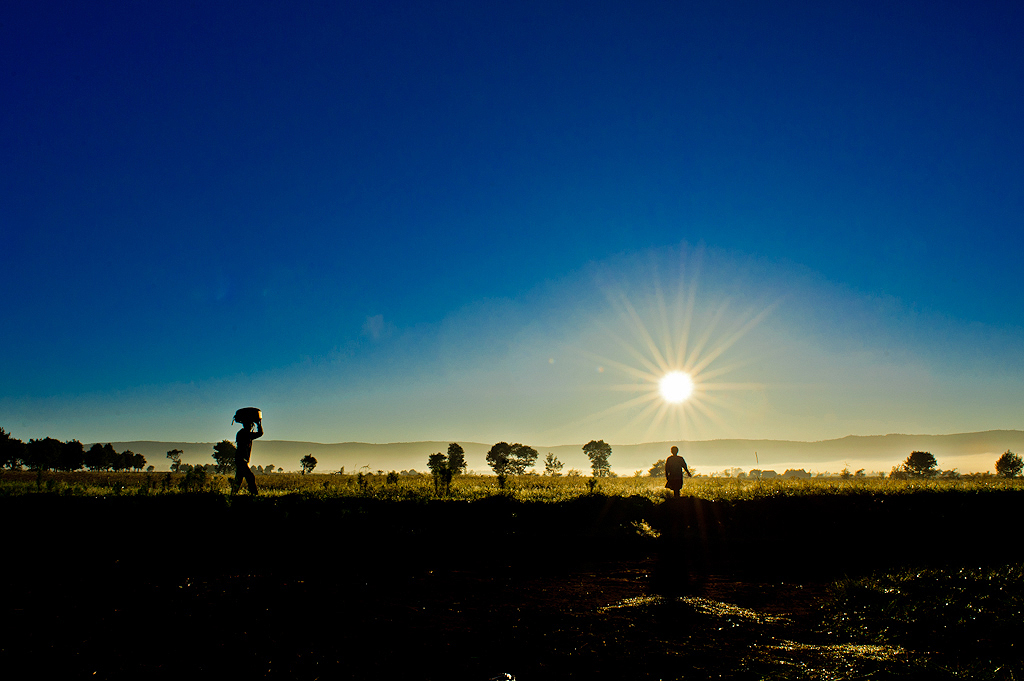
[248, 417]
[674, 467]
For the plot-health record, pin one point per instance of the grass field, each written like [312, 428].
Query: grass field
[123, 576]
[471, 487]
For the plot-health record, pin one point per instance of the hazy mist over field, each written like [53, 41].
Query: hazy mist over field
[967, 452]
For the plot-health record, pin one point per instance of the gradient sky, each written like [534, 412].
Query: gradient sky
[404, 221]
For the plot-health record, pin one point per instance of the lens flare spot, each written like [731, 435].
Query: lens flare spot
[675, 386]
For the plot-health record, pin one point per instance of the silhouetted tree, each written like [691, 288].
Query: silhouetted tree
[1009, 465]
[498, 458]
[124, 461]
[505, 459]
[100, 457]
[12, 451]
[440, 471]
[520, 458]
[436, 462]
[94, 457]
[42, 455]
[175, 456]
[308, 463]
[72, 456]
[658, 469]
[552, 466]
[110, 456]
[599, 452]
[224, 455]
[456, 459]
[138, 462]
[921, 465]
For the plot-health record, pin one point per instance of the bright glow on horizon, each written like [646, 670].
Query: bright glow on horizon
[675, 386]
[671, 351]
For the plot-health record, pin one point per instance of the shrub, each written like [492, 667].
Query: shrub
[194, 480]
[921, 465]
[1009, 465]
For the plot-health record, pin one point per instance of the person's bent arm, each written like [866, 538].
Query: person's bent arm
[259, 430]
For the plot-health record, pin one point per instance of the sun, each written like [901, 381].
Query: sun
[675, 387]
[676, 354]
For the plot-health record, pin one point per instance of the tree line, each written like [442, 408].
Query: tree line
[504, 459]
[924, 465]
[512, 459]
[49, 454]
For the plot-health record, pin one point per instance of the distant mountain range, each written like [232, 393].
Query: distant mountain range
[967, 452]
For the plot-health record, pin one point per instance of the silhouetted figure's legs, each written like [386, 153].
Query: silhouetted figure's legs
[242, 472]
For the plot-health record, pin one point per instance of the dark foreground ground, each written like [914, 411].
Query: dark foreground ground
[196, 586]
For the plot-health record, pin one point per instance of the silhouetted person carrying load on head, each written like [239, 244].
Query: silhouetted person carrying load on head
[674, 467]
[248, 417]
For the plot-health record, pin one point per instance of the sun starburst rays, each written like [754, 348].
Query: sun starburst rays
[674, 362]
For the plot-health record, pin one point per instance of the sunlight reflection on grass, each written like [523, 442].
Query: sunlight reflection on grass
[532, 488]
[705, 606]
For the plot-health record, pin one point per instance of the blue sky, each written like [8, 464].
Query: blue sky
[414, 221]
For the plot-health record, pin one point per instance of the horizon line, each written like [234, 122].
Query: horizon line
[572, 444]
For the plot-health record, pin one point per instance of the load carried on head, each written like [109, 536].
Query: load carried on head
[248, 415]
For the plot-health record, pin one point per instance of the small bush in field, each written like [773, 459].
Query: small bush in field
[1009, 465]
[194, 479]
